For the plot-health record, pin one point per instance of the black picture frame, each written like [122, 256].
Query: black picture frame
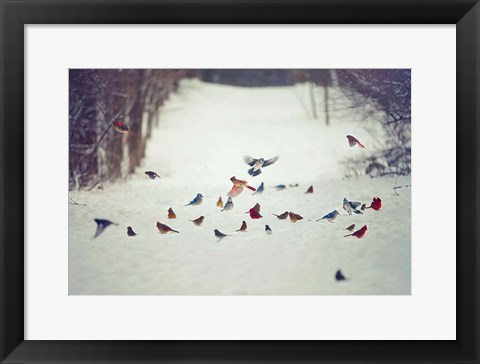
[15, 14]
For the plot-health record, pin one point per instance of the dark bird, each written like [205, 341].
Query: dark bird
[268, 230]
[259, 189]
[351, 227]
[363, 207]
[339, 276]
[310, 190]
[280, 187]
[220, 202]
[294, 217]
[152, 174]
[196, 201]
[243, 227]
[171, 214]
[258, 164]
[359, 233]
[198, 221]
[130, 231]
[219, 234]
[102, 225]
[352, 141]
[282, 216]
[165, 229]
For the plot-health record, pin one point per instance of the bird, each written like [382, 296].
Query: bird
[238, 186]
[294, 217]
[259, 189]
[376, 204]
[256, 208]
[122, 128]
[171, 214]
[354, 141]
[220, 202]
[268, 230]
[294, 185]
[258, 164]
[102, 225]
[280, 187]
[219, 234]
[363, 207]
[350, 206]
[165, 229]
[243, 227]
[196, 201]
[339, 276]
[130, 231]
[198, 221]
[229, 205]
[359, 233]
[310, 190]
[282, 216]
[330, 216]
[254, 214]
[152, 174]
[350, 228]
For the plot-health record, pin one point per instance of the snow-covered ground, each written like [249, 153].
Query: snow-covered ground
[204, 132]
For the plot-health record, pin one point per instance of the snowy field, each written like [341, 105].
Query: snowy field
[203, 134]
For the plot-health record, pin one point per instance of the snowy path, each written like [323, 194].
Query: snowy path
[204, 133]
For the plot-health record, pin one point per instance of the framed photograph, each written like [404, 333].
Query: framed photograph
[239, 181]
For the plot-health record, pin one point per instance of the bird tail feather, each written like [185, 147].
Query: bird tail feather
[348, 235]
[250, 188]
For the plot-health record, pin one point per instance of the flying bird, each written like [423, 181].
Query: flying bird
[282, 216]
[102, 225]
[294, 185]
[376, 204]
[165, 229]
[259, 189]
[280, 187]
[354, 141]
[310, 190]
[229, 205]
[198, 221]
[359, 233]
[330, 216]
[294, 217]
[243, 227]
[268, 230]
[350, 228]
[238, 186]
[219, 234]
[130, 231]
[254, 214]
[339, 276]
[350, 206]
[122, 128]
[220, 202]
[171, 214]
[258, 164]
[196, 201]
[152, 174]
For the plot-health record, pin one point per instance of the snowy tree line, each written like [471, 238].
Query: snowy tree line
[97, 97]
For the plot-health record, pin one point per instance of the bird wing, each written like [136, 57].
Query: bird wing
[355, 204]
[270, 161]
[100, 229]
[249, 160]
[235, 191]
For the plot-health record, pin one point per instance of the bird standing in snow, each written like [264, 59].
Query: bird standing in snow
[130, 231]
[220, 202]
[350, 206]
[330, 216]
[310, 190]
[238, 186]
[219, 234]
[152, 175]
[359, 233]
[102, 225]
[376, 204]
[354, 141]
[165, 229]
[171, 214]
[243, 227]
[254, 214]
[256, 208]
[196, 201]
[282, 216]
[198, 221]
[268, 230]
[280, 187]
[259, 189]
[350, 228]
[258, 164]
[229, 205]
[339, 276]
[294, 217]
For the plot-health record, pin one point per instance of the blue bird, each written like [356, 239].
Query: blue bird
[229, 205]
[330, 216]
[196, 201]
[280, 187]
[259, 189]
[350, 206]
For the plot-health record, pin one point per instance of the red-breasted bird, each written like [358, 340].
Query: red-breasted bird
[238, 186]
[220, 202]
[243, 227]
[198, 221]
[152, 175]
[350, 228]
[102, 225]
[171, 214]
[165, 229]
[254, 214]
[310, 190]
[282, 216]
[294, 217]
[354, 141]
[122, 128]
[258, 164]
[359, 233]
[376, 204]
[130, 231]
